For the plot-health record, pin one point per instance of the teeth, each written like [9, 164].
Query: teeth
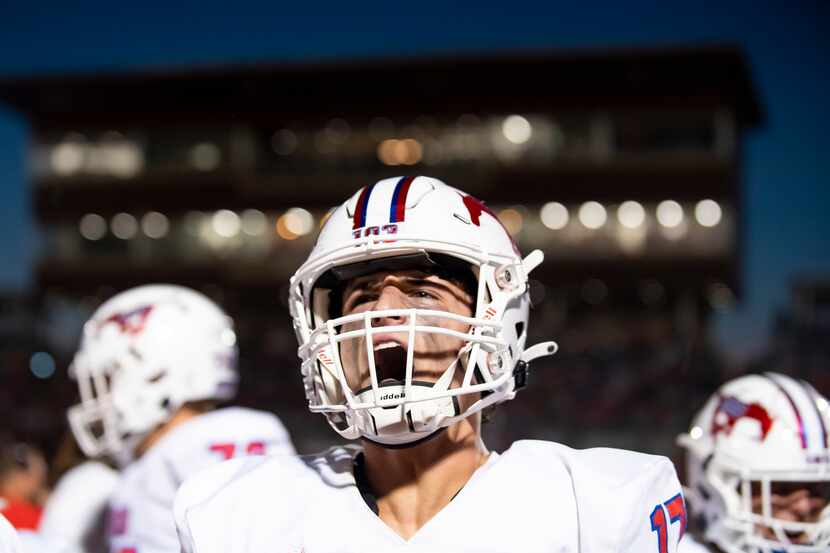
[387, 345]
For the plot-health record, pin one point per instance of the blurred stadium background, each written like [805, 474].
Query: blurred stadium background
[626, 165]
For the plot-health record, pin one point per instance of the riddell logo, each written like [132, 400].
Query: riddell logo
[392, 396]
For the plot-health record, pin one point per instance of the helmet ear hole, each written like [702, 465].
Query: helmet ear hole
[520, 328]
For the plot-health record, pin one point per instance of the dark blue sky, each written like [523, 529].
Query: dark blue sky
[787, 45]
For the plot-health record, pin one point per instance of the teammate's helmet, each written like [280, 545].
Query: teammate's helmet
[756, 432]
[401, 223]
[143, 354]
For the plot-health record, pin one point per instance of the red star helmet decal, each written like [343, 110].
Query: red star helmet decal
[131, 322]
[731, 409]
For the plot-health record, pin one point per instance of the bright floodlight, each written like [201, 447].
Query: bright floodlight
[669, 213]
[67, 158]
[298, 221]
[124, 226]
[554, 215]
[631, 214]
[592, 215]
[155, 224]
[225, 223]
[708, 213]
[254, 222]
[516, 129]
[92, 226]
[512, 220]
[123, 159]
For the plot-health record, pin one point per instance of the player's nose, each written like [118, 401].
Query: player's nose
[801, 504]
[390, 297]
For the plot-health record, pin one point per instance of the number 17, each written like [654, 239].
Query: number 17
[677, 511]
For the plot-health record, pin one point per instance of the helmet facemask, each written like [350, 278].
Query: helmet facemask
[94, 420]
[371, 371]
[404, 224]
[755, 505]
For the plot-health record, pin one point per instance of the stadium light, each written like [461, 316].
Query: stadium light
[155, 225]
[254, 222]
[205, 156]
[124, 226]
[554, 215]
[708, 213]
[669, 213]
[592, 215]
[92, 226]
[512, 220]
[516, 129]
[225, 223]
[631, 214]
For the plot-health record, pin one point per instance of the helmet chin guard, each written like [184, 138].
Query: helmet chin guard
[432, 227]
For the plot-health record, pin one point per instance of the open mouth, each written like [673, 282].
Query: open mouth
[796, 536]
[390, 363]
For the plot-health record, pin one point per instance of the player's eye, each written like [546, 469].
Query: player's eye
[423, 294]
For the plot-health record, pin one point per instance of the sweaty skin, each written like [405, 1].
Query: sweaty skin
[413, 484]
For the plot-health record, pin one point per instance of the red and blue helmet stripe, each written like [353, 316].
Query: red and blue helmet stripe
[397, 210]
[362, 207]
[397, 207]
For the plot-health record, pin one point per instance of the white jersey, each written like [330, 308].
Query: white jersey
[32, 542]
[535, 497]
[75, 512]
[690, 544]
[9, 542]
[141, 508]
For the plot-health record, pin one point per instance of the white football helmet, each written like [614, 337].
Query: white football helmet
[143, 354]
[401, 223]
[756, 432]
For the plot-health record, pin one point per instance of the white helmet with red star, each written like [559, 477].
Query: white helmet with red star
[144, 353]
[757, 435]
[401, 223]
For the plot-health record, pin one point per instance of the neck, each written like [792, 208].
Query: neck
[184, 414]
[413, 484]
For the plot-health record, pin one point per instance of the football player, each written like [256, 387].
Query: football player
[9, 542]
[758, 469]
[74, 514]
[23, 472]
[153, 363]
[411, 314]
